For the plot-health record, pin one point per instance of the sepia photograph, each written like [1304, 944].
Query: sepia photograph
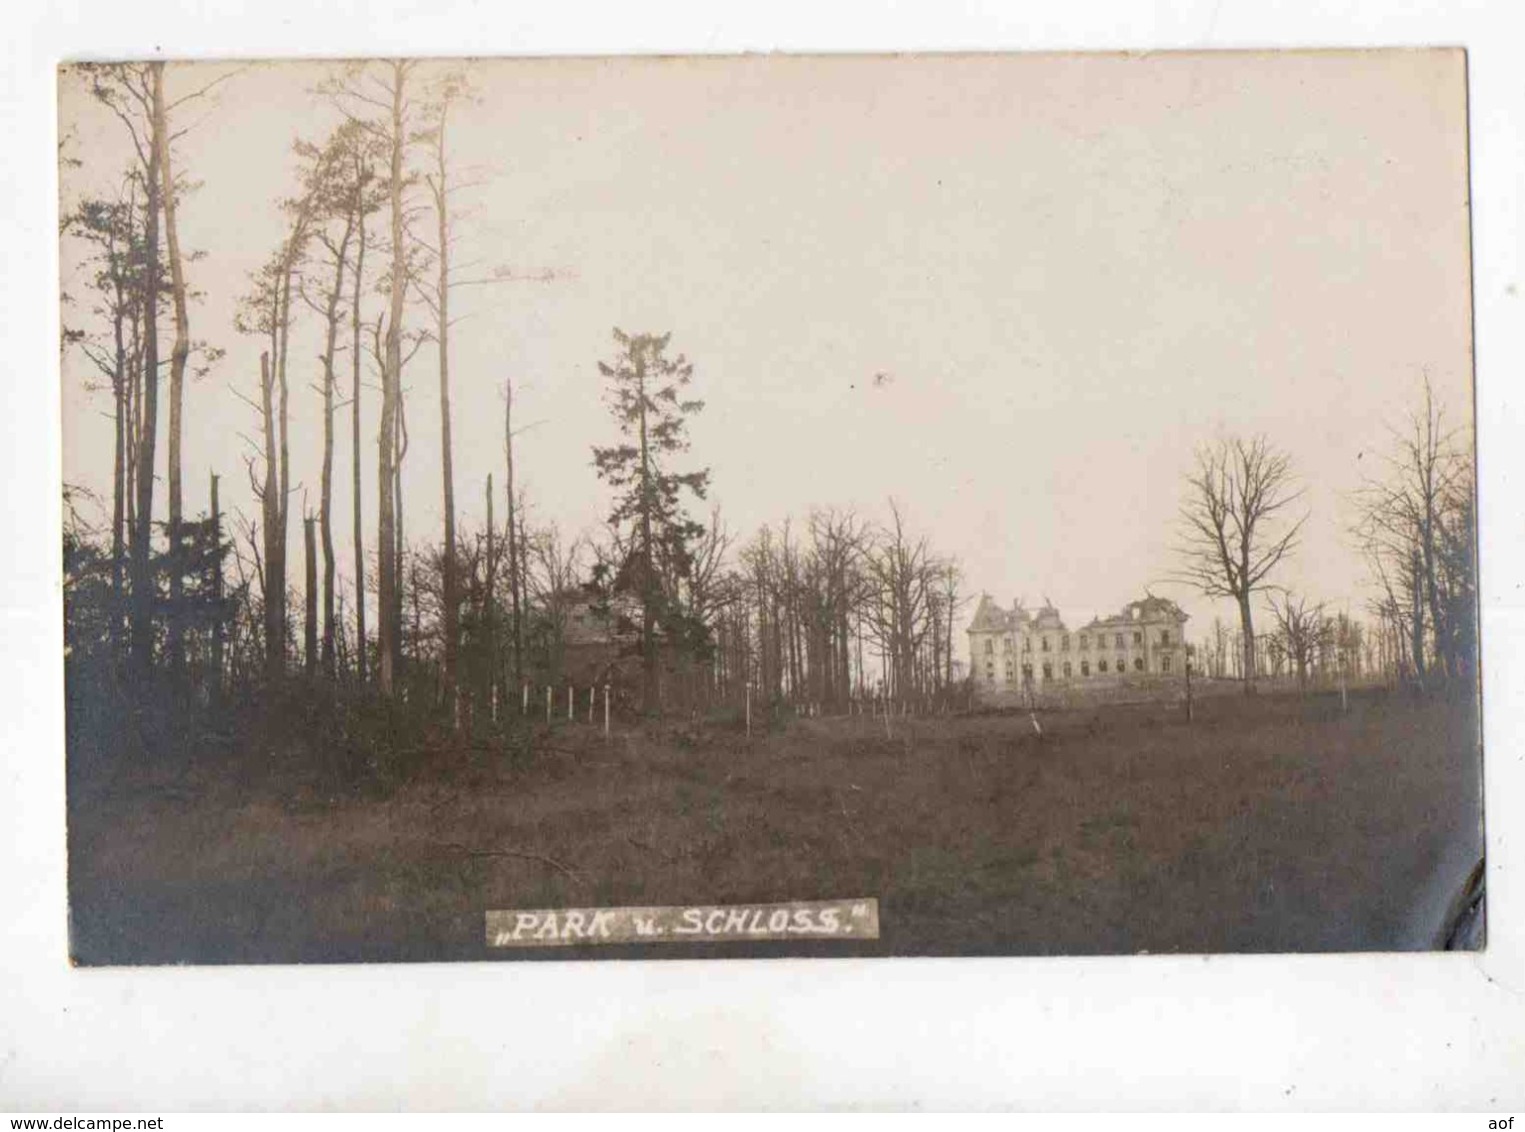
[705, 507]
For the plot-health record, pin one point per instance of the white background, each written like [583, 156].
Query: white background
[1383, 1032]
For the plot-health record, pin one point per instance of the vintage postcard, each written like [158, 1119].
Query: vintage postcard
[756, 506]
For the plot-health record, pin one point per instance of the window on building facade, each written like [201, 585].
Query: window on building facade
[1165, 663]
[1138, 664]
[989, 647]
[1122, 665]
[1027, 672]
[1085, 667]
[1064, 643]
[1045, 644]
[1164, 636]
[1005, 644]
[1067, 670]
[1119, 641]
[1101, 665]
[1048, 670]
[1085, 642]
[1138, 638]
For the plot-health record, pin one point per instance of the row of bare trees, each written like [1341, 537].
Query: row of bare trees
[1416, 529]
[845, 610]
[849, 611]
[1304, 642]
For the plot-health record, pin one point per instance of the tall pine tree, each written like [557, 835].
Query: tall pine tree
[644, 393]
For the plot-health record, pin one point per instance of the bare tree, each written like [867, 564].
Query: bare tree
[840, 542]
[554, 573]
[310, 594]
[946, 604]
[515, 544]
[1236, 531]
[1300, 631]
[111, 230]
[489, 591]
[127, 89]
[179, 353]
[266, 310]
[1416, 529]
[447, 91]
[388, 567]
[362, 199]
[377, 99]
[904, 573]
[170, 190]
[337, 182]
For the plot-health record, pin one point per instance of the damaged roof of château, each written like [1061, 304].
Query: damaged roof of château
[1149, 608]
[991, 618]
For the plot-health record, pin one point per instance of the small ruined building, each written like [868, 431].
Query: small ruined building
[1016, 654]
[599, 641]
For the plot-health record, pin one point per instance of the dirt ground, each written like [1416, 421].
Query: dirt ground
[1277, 823]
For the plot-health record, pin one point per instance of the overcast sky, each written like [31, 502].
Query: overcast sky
[1064, 271]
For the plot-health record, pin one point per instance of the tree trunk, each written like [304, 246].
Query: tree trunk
[326, 485]
[270, 515]
[1416, 618]
[178, 355]
[275, 410]
[389, 610]
[514, 574]
[647, 565]
[406, 577]
[1247, 629]
[143, 589]
[355, 485]
[450, 599]
[1438, 652]
[284, 498]
[119, 386]
[490, 578]
[310, 584]
[217, 617]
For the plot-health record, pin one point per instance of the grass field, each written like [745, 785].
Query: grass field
[1277, 823]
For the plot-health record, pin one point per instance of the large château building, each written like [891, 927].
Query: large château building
[1014, 650]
